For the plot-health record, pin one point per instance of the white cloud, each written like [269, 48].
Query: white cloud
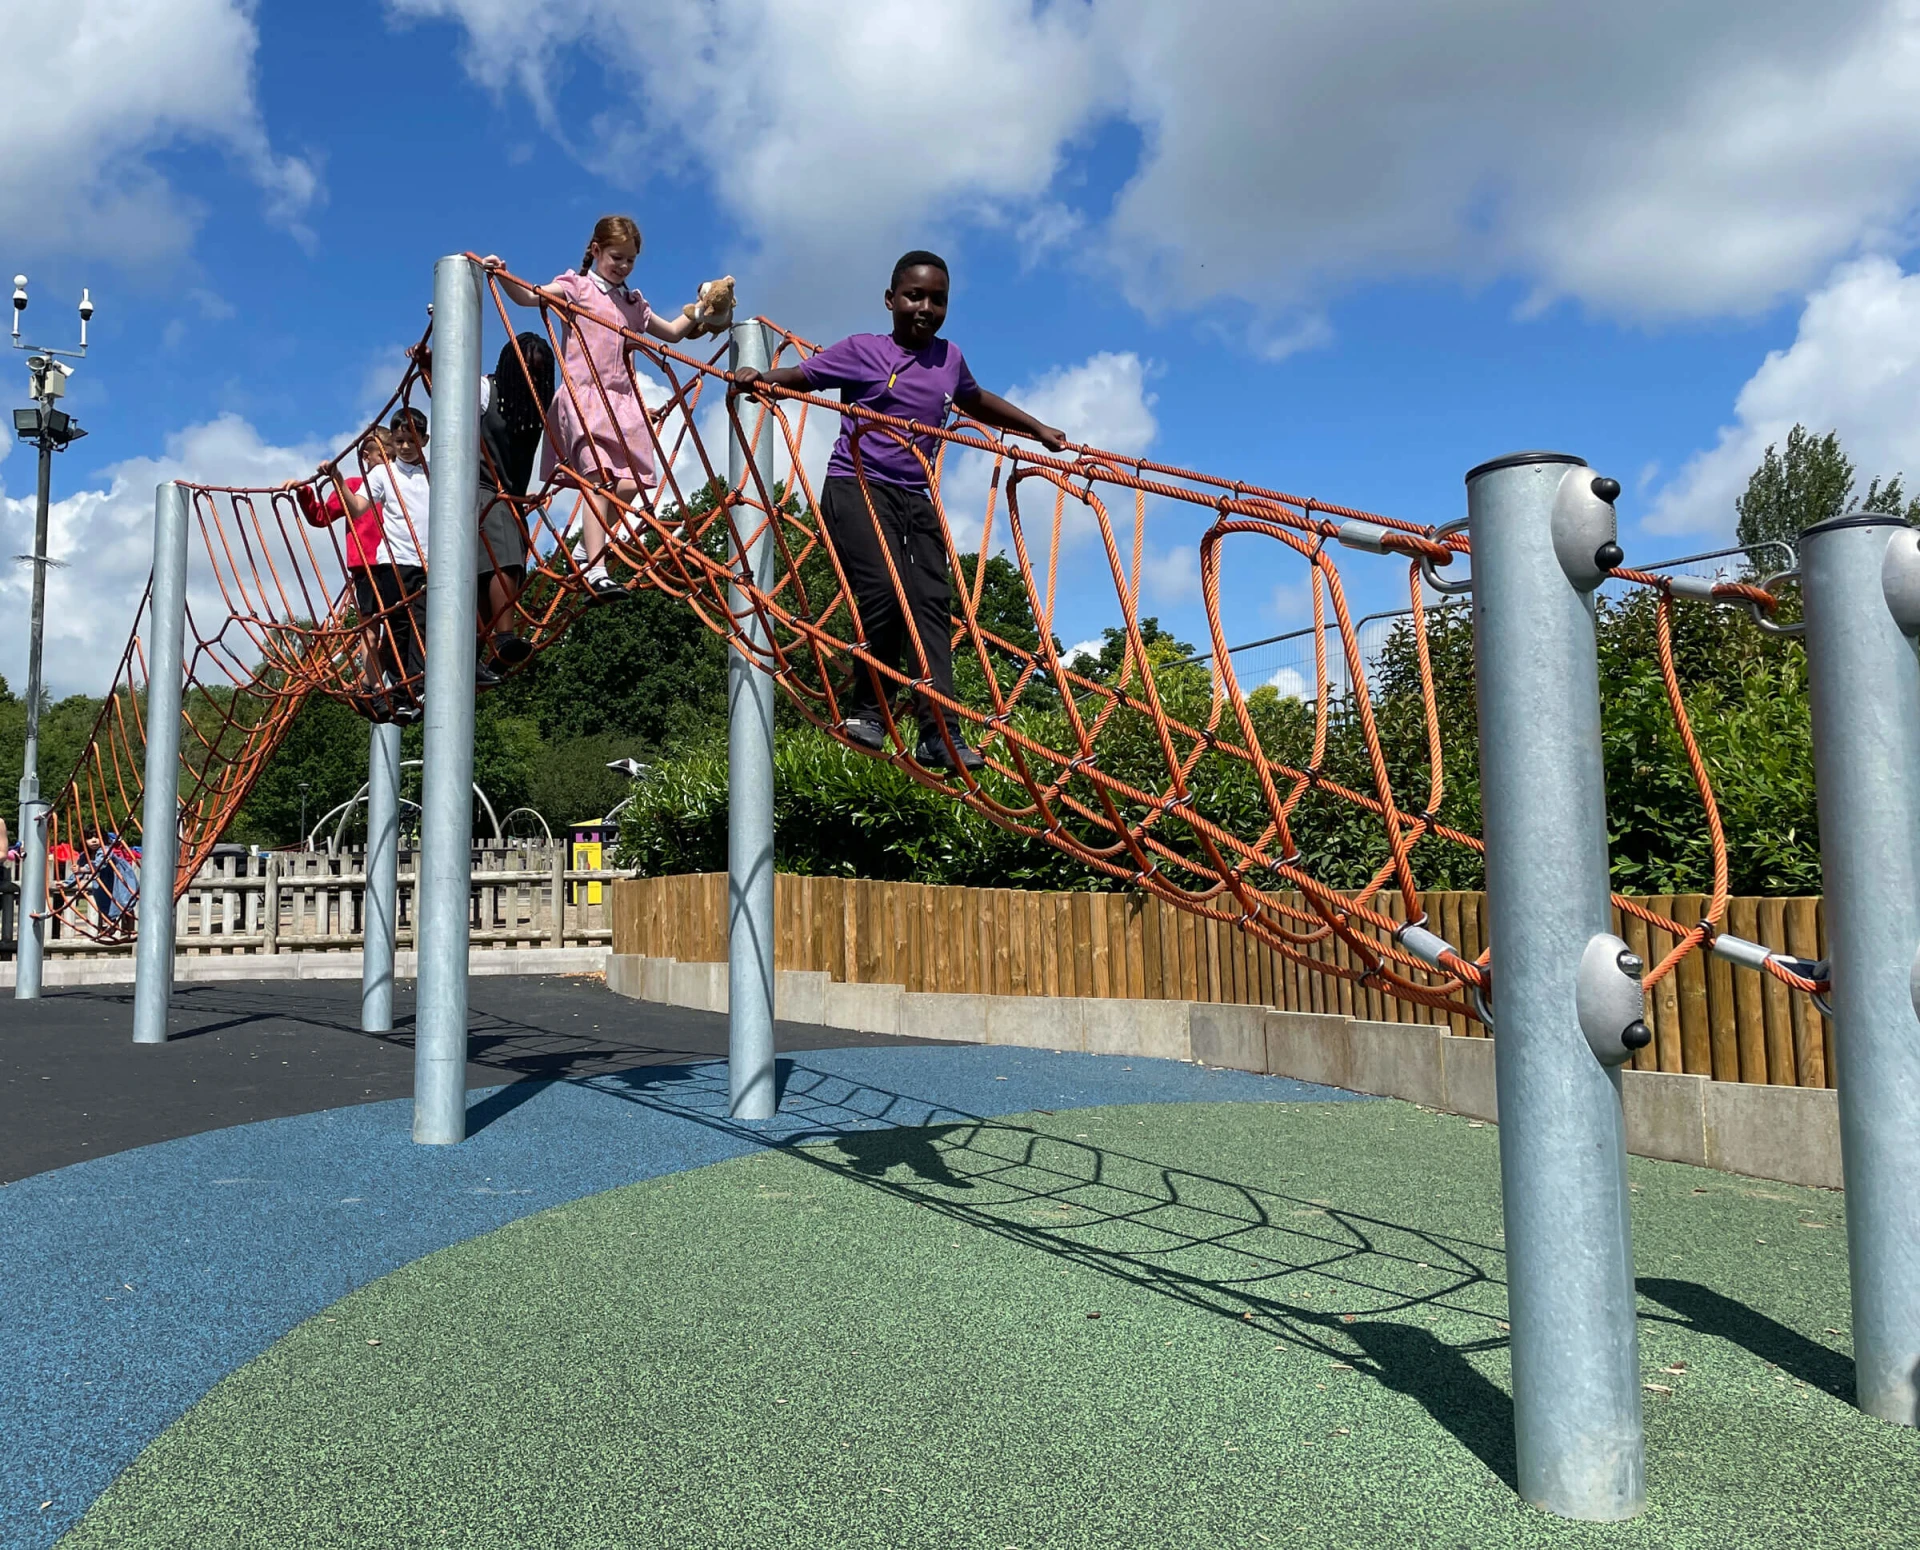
[1651, 158]
[214, 307]
[1102, 402]
[1089, 649]
[105, 538]
[1291, 683]
[94, 88]
[1647, 158]
[1854, 367]
[1171, 575]
[798, 112]
[1291, 602]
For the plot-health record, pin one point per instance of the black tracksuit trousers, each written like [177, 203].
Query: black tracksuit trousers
[910, 531]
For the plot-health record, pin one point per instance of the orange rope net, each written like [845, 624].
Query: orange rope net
[295, 612]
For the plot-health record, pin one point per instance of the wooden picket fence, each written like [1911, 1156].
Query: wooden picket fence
[315, 901]
[1707, 1018]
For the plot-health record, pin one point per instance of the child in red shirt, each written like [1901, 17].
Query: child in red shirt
[365, 538]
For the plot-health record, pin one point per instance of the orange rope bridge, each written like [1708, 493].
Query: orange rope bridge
[1102, 768]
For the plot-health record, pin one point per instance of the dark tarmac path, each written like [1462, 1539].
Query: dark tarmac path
[74, 1085]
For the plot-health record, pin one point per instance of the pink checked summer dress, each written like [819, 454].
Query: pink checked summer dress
[600, 421]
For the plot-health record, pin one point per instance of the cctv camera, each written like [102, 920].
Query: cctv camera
[86, 306]
[19, 293]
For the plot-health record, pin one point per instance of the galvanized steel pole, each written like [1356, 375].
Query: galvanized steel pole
[750, 969]
[1541, 526]
[444, 891]
[30, 933]
[160, 817]
[1860, 577]
[379, 904]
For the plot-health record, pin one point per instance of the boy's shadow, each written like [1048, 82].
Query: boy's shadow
[872, 1153]
[1792, 1352]
[1418, 1363]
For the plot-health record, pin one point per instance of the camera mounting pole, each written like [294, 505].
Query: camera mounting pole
[51, 430]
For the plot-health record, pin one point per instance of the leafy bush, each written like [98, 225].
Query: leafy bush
[837, 812]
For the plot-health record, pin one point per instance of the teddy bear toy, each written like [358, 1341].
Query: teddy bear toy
[712, 309]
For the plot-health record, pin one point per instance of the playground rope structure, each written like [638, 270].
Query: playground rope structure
[274, 616]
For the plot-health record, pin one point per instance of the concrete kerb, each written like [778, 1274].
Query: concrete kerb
[1786, 1133]
[217, 967]
[1789, 1133]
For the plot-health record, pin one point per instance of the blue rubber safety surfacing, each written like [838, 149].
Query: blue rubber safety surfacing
[133, 1283]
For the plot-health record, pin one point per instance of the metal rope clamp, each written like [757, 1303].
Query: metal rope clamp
[1429, 948]
[1585, 528]
[1757, 955]
[1900, 580]
[1611, 1005]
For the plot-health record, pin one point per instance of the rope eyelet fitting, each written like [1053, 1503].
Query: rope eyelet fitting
[1767, 625]
[1430, 573]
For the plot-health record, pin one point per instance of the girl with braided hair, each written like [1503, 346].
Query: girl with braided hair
[602, 441]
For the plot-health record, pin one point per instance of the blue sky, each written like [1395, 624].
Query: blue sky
[1348, 251]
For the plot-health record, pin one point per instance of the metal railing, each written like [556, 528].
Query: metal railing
[1285, 661]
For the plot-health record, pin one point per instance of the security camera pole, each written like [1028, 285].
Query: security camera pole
[51, 430]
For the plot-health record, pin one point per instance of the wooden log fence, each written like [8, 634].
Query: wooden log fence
[1708, 1018]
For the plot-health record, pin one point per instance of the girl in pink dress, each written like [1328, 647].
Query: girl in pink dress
[600, 430]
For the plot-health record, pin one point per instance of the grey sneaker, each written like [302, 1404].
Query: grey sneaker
[864, 733]
[932, 754]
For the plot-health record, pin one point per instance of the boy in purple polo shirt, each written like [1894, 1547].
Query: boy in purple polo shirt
[912, 374]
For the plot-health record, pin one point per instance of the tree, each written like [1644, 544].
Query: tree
[326, 749]
[1113, 649]
[1812, 481]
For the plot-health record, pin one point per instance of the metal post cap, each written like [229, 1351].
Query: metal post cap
[1522, 460]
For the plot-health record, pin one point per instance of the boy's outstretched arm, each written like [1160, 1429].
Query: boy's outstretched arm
[992, 409]
[356, 502]
[780, 377]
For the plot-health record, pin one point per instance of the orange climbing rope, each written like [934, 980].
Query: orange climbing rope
[1101, 768]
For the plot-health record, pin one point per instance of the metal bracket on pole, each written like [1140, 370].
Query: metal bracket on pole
[750, 967]
[160, 819]
[1542, 531]
[379, 905]
[1858, 583]
[443, 893]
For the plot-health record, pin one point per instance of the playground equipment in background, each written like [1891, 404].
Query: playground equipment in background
[745, 554]
[587, 842]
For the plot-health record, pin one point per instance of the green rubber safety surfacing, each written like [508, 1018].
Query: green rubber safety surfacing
[890, 1341]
